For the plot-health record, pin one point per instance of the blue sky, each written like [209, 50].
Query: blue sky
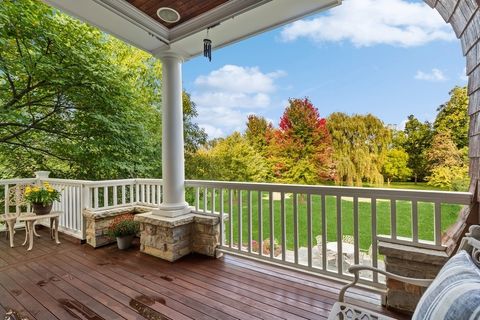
[391, 58]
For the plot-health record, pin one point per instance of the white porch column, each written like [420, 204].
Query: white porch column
[173, 160]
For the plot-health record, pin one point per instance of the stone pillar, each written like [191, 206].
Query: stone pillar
[173, 162]
[410, 262]
[172, 238]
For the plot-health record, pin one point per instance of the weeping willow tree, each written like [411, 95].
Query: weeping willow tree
[360, 144]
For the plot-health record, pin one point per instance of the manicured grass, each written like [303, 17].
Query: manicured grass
[425, 218]
[410, 185]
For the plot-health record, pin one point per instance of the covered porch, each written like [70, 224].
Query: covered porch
[262, 270]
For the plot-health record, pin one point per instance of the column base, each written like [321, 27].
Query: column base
[172, 211]
[172, 238]
[409, 262]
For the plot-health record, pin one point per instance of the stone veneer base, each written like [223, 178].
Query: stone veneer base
[97, 223]
[172, 238]
[409, 262]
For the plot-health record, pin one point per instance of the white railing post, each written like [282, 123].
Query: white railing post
[86, 201]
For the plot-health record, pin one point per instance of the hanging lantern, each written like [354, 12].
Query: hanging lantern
[207, 49]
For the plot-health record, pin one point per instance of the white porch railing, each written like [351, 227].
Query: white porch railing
[314, 228]
[78, 195]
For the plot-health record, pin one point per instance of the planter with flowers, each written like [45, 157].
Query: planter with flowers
[124, 228]
[41, 198]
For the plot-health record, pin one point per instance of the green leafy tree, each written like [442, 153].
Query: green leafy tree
[453, 116]
[64, 105]
[258, 132]
[300, 150]
[443, 152]
[76, 101]
[360, 144]
[235, 160]
[452, 178]
[418, 137]
[448, 165]
[395, 166]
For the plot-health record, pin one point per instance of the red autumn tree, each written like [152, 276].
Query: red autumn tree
[301, 149]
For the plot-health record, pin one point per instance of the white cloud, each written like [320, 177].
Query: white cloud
[236, 79]
[435, 75]
[212, 131]
[225, 97]
[371, 22]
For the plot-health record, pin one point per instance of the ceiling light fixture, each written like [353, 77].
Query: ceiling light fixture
[168, 15]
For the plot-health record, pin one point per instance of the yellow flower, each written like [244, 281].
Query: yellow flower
[36, 189]
[28, 189]
[50, 189]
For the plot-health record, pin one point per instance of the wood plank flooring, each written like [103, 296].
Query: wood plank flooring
[72, 281]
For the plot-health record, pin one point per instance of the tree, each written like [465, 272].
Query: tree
[453, 116]
[76, 101]
[443, 152]
[300, 151]
[258, 132]
[236, 160]
[395, 166]
[418, 137]
[452, 178]
[447, 164]
[360, 144]
[64, 105]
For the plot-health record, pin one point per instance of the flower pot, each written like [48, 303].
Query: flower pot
[124, 242]
[40, 209]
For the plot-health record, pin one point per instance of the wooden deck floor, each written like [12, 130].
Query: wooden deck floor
[73, 281]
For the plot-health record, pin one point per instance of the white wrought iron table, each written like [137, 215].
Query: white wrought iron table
[347, 248]
[30, 220]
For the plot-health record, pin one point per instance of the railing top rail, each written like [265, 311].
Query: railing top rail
[376, 193]
[91, 183]
[145, 180]
[17, 181]
[105, 183]
[66, 181]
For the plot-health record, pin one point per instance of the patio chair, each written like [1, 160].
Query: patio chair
[453, 294]
[15, 198]
[331, 255]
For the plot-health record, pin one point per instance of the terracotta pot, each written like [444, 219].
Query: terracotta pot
[124, 242]
[40, 209]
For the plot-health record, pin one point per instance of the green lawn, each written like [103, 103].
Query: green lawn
[425, 218]
[410, 185]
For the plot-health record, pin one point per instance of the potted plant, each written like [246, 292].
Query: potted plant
[41, 197]
[124, 228]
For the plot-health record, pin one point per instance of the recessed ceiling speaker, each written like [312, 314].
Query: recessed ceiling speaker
[168, 15]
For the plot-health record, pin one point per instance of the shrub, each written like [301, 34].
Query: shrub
[123, 225]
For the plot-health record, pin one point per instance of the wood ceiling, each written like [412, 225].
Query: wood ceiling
[188, 9]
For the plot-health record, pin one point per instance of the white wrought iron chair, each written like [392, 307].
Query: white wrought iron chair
[15, 198]
[346, 311]
[331, 256]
